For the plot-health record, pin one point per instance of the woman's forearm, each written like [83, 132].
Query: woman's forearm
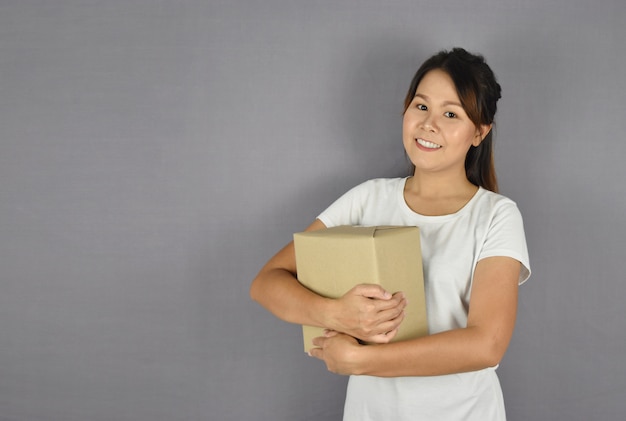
[280, 292]
[454, 351]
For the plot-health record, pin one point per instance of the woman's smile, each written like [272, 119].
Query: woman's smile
[426, 144]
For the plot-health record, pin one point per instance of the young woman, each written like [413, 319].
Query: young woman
[474, 254]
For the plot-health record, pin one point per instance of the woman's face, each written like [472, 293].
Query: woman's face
[436, 131]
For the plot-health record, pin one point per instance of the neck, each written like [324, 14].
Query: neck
[434, 196]
[437, 185]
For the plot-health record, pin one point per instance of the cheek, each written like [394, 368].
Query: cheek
[405, 118]
[465, 136]
[409, 121]
[405, 126]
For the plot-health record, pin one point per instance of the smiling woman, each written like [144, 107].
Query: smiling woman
[435, 121]
[474, 252]
[477, 92]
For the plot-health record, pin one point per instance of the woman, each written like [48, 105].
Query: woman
[474, 255]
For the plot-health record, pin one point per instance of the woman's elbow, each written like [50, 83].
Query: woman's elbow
[492, 359]
[493, 352]
[255, 289]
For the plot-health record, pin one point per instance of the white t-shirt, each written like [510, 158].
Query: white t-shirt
[488, 225]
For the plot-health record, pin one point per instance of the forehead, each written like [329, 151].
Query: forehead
[437, 84]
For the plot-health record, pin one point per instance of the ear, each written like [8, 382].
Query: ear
[481, 133]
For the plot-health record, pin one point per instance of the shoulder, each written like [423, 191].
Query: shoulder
[495, 202]
[381, 185]
[496, 212]
[373, 189]
[367, 198]
[376, 190]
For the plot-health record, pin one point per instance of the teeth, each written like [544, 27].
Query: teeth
[428, 144]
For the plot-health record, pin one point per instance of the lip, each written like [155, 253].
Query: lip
[425, 147]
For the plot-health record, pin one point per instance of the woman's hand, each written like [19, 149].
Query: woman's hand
[339, 351]
[369, 313]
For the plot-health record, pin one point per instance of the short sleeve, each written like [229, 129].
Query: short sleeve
[347, 209]
[506, 237]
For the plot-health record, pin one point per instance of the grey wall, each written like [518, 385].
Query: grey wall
[154, 154]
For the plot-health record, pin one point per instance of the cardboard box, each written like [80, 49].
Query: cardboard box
[332, 261]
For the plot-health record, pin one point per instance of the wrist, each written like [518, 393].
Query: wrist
[327, 314]
[360, 359]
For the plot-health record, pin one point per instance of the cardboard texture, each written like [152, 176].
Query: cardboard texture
[332, 261]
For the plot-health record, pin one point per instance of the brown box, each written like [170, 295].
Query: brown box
[331, 261]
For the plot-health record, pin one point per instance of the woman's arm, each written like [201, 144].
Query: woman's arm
[367, 312]
[490, 324]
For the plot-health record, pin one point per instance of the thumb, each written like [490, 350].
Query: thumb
[373, 291]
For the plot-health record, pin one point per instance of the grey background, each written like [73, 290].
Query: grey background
[154, 154]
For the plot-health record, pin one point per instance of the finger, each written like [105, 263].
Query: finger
[319, 341]
[329, 333]
[397, 302]
[400, 295]
[389, 326]
[316, 353]
[383, 338]
[373, 291]
[389, 314]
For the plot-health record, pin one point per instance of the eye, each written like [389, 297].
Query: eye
[421, 107]
[449, 114]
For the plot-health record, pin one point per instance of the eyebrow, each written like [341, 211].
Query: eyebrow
[444, 103]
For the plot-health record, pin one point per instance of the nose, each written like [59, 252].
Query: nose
[429, 123]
